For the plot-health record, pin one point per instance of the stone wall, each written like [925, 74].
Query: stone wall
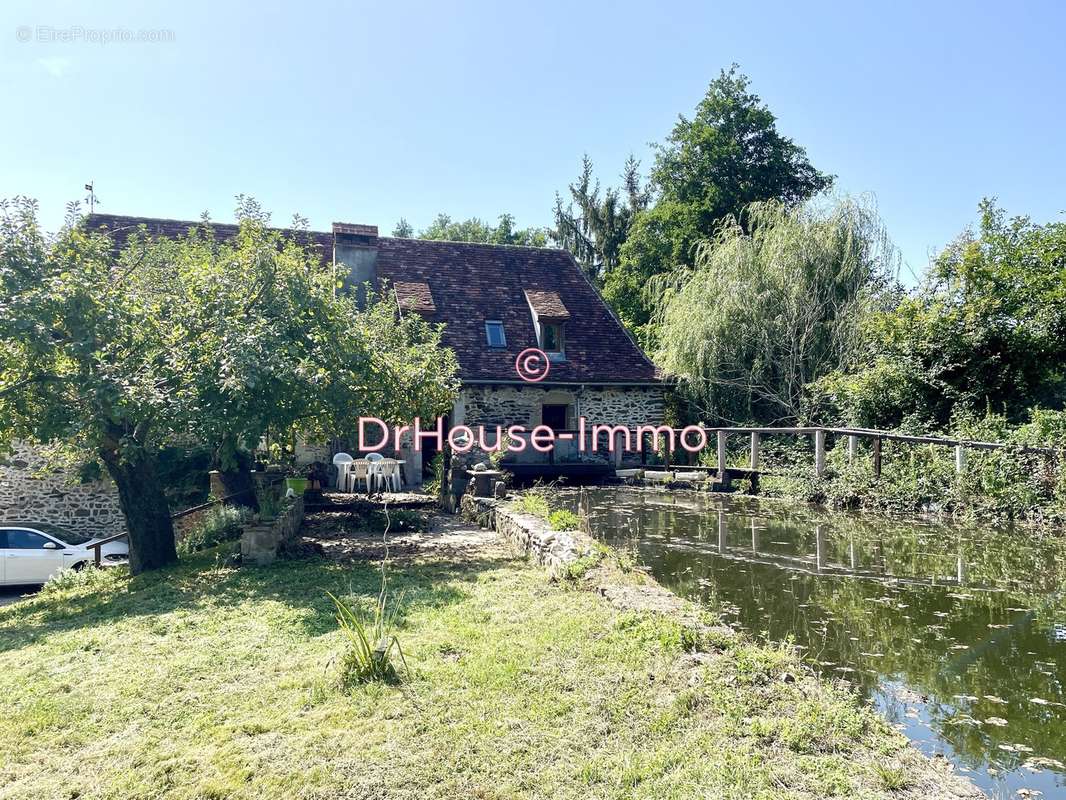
[261, 541]
[521, 405]
[30, 491]
[492, 406]
[309, 452]
[623, 406]
[551, 549]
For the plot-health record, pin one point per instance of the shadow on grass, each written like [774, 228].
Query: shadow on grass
[199, 584]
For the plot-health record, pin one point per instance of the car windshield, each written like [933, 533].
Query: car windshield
[60, 533]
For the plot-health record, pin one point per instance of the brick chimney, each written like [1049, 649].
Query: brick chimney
[355, 256]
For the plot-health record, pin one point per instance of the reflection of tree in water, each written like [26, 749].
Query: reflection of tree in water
[963, 616]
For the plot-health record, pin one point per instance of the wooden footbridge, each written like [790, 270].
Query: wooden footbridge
[682, 459]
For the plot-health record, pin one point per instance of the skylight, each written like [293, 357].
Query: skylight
[494, 333]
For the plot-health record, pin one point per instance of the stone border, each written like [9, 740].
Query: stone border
[261, 541]
[552, 549]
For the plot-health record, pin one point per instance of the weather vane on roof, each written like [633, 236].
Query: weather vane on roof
[91, 198]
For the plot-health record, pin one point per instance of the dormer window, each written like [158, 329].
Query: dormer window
[549, 319]
[415, 297]
[551, 337]
[494, 333]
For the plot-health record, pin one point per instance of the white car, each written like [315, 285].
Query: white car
[32, 552]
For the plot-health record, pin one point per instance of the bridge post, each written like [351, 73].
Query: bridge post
[877, 457]
[819, 452]
[721, 456]
[617, 451]
[960, 459]
[755, 450]
[853, 447]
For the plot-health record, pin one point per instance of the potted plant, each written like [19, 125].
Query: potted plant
[269, 502]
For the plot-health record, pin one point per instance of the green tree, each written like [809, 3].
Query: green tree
[729, 154]
[985, 331]
[403, 230]
[444, 228]
[774, 303]
[117, 355]
[592, 226]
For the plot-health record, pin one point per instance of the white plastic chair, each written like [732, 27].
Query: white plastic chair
[359, 472]
[372, 472]
[388, 471]
[343, 463]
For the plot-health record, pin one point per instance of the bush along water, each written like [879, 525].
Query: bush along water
[537, 503]
[1014, 482]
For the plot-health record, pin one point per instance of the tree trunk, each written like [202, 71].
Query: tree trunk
[141, 497]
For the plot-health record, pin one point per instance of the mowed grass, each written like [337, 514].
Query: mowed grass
[207, 682]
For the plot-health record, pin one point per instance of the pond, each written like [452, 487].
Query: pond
[956, 633]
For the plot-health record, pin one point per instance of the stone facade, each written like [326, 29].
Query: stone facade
[503, 405]
[31, 491]
[522, 405]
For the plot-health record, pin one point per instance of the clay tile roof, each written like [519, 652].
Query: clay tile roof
[470, 283]
[415, 296]
[547, 305]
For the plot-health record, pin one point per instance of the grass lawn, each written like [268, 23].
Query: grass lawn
[209, 682]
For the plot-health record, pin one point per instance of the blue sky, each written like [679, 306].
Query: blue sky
[365, 113]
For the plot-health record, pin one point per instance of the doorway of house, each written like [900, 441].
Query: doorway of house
[554, 416]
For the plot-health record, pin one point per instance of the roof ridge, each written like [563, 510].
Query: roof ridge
[476, 244]
[97, 216]
[138, 219]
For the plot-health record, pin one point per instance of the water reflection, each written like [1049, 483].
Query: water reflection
[958, 634]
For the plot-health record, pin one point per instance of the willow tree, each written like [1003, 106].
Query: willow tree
[117, 352]
[773, 303]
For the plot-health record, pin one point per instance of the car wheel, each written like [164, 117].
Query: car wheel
[80, 566]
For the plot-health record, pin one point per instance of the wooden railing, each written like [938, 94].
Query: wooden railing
[567, 447]
[96, 546]
[247, 493]
[876, 437]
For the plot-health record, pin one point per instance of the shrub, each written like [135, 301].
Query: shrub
[220, 524]
[562, 520]
[576, 570]
[397, 520]
[892, 778]
[184, 473]
[435, 485]
[1009, 482]
[533, 502]
[90, 577]
[268, 498]
[368, 657]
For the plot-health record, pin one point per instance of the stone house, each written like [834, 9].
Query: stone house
[496, 302]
